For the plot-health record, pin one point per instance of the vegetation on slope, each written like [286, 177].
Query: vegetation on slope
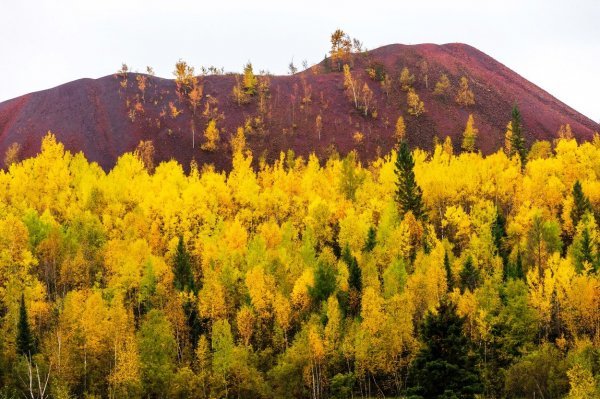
[424, 274]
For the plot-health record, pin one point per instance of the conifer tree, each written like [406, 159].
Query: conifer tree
[184, 281]
[516, 135]
[371, 240]
[581, 204]
[324, 283]
[449, 277]
[355, 275]
[469, 275]
[408, 192]
[354, 282]
[444, 368]
[249, 80]
[499, 235]
[183, 277]
[25, 339]
[519, 272]
[585, 252]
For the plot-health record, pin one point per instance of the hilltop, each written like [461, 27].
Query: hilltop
[108, 116]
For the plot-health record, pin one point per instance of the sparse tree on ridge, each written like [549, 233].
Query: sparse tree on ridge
[341, 47]
[470, 135]
[400, 131]
[212, 136]
[465, 96]
[442, 86]
[406, 79]
[416, 107]
[249, 81]
[292, 68]
[351, 85]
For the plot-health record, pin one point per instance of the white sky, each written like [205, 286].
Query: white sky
[44, 43]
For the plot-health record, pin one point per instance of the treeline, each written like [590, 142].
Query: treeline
[421, 274]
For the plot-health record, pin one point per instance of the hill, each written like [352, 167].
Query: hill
[109, 116]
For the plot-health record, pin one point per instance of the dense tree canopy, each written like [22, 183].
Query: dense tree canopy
[302, 278]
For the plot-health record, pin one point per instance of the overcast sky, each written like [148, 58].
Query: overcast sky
[44, 43]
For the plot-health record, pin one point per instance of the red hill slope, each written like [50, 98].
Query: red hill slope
[94, 116]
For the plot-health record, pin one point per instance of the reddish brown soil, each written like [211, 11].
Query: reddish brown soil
[91, 115]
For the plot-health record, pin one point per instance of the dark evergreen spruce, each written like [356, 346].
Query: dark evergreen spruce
[408, 193]
[585, 251]
[184, 278]
[587, 248]
[499, 235]
[371, 240]
[184, 281]
[449, 277]
[518, 272]
[581, 204]
[469, 275]
[517, 139]
[445, 367]
[325, 282]
[25, 339]
[355, 275]
[353, 299]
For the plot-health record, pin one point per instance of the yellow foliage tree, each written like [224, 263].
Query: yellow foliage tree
[406, 79]
[400, 131]
[12, 154]
[416, 107]
[470, 135]
[464, 96]
[442, 86]
[212, 136]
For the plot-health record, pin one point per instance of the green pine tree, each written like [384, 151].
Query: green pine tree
[469, 275]
[25, 339]
[183, 279]
[499, 235]
[449, 277]
[354, 282]
[408, 192]
[517, 139]
[324, 282]
[587, 249]
[371, 240]
[583, 249]
[444, 367]
[581, 204]
[518, 272]
[355, 275]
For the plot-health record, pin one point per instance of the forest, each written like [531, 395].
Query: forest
[421, 274]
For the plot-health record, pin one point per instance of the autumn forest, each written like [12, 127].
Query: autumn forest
[421, 274]
[463, 267]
